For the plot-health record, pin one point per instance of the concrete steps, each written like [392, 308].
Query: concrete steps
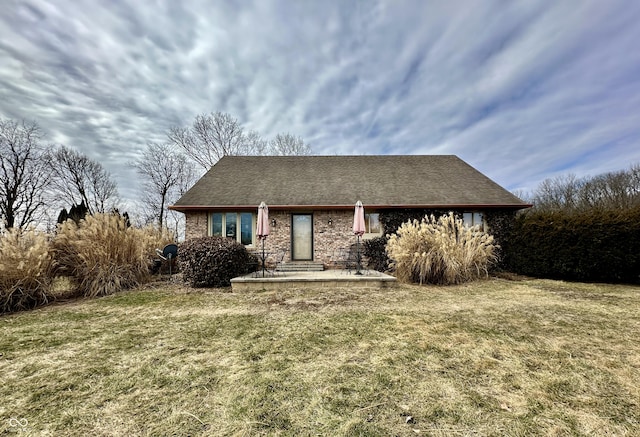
[301, 266]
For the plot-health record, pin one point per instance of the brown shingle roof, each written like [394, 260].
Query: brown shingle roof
[339, 181]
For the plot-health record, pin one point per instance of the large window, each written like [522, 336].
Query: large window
[473, 219]
[372, 224]
[236, 225]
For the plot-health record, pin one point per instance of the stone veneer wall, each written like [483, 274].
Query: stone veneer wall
[327, 239]
[196, 224]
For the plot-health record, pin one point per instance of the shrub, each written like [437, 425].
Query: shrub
[102, 255]
[375, 252]
[213, 261]
[25, 269]
[440, 251]
[595, 245]
[392, 219]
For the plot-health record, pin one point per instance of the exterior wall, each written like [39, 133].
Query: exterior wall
[196, 224]
[327, 238]
[279, 235]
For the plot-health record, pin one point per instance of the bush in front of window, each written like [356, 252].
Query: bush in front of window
[213, 261]
[375, 252]
[440, 251]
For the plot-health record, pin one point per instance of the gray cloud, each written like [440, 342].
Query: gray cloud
[521, 90]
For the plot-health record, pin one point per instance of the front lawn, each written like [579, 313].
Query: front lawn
[494, 357]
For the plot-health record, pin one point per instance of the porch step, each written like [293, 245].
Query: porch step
[298, 266]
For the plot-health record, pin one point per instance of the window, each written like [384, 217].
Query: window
[372, 224]
[236, 225]
[246, 228]
[230, 220]
[473, 219]
[216, 224]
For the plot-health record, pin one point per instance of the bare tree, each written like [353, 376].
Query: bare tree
[613, 190]
[561, 192]
[287, 144]
[166, 176]
[254, 144]
[212, 136]
[78, 179]
[209, 138]
[23, 174]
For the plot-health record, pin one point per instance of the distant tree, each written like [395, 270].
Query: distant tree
[76, 213]
[166, 175]
[612, 190]
[78, 180]
[561, 192]
[209, 138]
[287, 144]
[254, 144]
[212, 136]
[23, 173]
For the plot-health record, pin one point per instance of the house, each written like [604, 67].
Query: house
[311, 198]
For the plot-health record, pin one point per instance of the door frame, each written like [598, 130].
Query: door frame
[310, 214]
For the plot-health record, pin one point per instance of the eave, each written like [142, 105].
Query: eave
[196, 208]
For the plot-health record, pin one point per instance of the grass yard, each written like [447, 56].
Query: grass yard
[495, 357]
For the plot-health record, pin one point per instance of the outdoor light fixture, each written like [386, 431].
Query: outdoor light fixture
[330, 221]
[273, 222]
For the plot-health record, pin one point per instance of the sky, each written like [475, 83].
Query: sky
[521, 90]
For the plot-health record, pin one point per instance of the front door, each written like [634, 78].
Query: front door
[302, 237]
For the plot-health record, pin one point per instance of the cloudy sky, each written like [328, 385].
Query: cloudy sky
[521, 90]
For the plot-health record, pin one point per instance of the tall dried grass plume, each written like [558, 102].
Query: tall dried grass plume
[103, 255]
[440, 251]
[25, 269]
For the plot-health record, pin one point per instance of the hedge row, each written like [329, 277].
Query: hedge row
[588, 246]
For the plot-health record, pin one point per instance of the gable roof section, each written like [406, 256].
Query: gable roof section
[383, 181]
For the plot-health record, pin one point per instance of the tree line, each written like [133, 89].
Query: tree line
[34, 177]
[614, 190]
[579, 229]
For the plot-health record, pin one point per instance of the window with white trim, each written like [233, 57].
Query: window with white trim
[237, 225]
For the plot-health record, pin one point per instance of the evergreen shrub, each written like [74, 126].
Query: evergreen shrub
[595, 245]
[376, 253]
[440, 251]
[213, 261]
[25, 269]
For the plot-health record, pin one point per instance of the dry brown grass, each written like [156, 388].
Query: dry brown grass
[492, 357]
[25, 269]
[440, 251]
[103, 256]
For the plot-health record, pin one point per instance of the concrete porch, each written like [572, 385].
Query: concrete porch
[326, 279]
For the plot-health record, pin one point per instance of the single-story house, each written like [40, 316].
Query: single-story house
[311, 199]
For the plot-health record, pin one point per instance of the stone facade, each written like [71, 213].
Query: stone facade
[196, 224]
[327, 238]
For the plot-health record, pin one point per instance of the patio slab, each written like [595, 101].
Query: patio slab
[323, 279]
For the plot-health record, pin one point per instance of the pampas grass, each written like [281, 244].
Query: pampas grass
[103, 256]
[440, 251]
[25, 267]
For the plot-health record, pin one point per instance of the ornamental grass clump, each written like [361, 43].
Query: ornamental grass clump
[25, 269]
[102, 255]
[440, 251]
